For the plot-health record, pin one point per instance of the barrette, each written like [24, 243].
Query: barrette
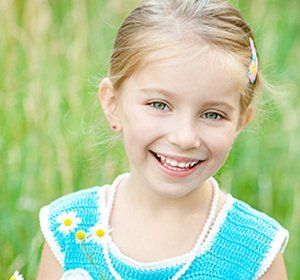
[253, 67]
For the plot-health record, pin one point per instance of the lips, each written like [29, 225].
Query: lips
[176, 171]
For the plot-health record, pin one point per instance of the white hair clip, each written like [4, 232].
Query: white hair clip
[253, 67]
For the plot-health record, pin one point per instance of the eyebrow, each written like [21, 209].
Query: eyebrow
[158, 90]
[172, 94]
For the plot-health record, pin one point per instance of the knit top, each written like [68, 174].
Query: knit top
[241, 244]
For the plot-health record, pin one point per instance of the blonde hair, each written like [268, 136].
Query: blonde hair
[155, 24]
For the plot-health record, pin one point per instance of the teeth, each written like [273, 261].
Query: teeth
[182, 165]
[175, 163]
[172, 162]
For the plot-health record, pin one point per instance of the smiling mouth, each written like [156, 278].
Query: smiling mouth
[174, 165]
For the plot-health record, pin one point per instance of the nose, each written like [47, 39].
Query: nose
[184, 135]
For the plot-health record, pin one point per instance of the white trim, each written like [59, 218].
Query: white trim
[175, 261]
[77, 273]
[278, 245]
[285, 242]
[49, 236]
[102, 209]
[219, 221]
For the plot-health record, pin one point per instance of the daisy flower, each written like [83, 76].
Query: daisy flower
[99, 233]
[16, 276]
[76, 274]
[68, 222]
[80, 236]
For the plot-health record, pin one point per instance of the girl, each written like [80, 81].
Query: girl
[182, 79]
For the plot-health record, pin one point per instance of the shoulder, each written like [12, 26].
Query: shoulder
[277, 269]
[252, 215]
[263, 236]
[65, 215]
[76, 200]
[252, 219]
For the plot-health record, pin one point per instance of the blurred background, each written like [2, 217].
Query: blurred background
[54, 139]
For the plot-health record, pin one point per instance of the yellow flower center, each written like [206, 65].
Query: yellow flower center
[100, 232]
[67, 222]
[13, 278]
[80, 235]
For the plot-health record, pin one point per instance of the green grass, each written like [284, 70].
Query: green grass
[53, 134]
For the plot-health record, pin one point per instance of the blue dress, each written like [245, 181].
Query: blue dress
[241, 244]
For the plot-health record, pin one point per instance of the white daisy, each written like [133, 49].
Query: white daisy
[68, 222]
[16, 276]
[76, 274]
[99, 233]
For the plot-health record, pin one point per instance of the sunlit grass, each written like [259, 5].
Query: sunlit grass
[53, 136]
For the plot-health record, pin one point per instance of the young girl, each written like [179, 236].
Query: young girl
[182, 78]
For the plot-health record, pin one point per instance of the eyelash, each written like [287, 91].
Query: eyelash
[220, 116]
[157, 102]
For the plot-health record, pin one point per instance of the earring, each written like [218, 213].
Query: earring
[115, 127]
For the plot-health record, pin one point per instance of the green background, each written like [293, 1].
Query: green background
[54, 139]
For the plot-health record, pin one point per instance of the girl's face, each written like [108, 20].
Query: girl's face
[181, 109]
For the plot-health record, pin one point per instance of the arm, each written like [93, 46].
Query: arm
[277, 271]
[49, 268]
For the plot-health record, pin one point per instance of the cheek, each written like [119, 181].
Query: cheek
[220, 141]
[136, 125]
[138, 121]
[139, 130]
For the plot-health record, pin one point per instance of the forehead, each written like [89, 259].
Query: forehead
[206, 71]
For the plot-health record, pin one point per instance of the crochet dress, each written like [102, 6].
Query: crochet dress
[241, 244]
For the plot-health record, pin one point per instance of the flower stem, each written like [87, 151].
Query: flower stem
[90, 259]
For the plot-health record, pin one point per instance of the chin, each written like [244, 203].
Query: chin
[171, 191]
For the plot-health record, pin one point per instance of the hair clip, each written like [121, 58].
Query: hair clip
[253, 68]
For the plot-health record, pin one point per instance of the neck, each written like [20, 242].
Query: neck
[142, 199]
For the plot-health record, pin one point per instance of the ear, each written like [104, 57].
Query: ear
[108, 101]
[244, 120]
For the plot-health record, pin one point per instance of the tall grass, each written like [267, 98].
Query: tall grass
[52, 140]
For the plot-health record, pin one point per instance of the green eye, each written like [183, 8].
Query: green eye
[213, 116]
[158, 105]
